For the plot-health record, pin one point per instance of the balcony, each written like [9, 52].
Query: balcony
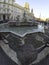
[4, 12]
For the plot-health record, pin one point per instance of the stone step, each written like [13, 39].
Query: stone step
[41, 55]
[5, 41]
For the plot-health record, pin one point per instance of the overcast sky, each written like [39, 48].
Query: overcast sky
[40, 7]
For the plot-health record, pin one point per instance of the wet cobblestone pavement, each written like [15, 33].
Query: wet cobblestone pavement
[45, 61]
[4, 59]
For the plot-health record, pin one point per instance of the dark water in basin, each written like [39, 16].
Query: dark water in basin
[21, 31]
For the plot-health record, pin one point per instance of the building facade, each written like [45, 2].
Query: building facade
[11, 10]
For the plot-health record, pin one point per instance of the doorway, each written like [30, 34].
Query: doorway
[4, 17]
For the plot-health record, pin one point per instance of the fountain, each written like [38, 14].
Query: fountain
[23, 40]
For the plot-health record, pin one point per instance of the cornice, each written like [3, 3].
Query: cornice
[19, 7]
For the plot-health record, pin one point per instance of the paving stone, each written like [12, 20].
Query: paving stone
[4, 59]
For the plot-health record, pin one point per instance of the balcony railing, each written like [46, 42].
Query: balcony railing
[5, 12]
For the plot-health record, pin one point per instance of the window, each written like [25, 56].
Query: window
[0, 17]
[4, 1]
[8, 10]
